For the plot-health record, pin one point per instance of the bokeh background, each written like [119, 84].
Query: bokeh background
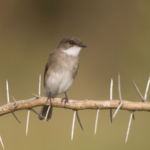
[117, 34]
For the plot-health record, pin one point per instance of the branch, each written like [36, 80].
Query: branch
[74, 105]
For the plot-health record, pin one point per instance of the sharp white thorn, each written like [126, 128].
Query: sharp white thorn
[137, 89]
[147, 88]
[119, 88]
[117, 109]
[47, 113]
[111, 96]
[130, 119]
[111, 89]
[14, 99]
[96, 121]
[120, 97]
[34, 95]
[39, 85]
[1, 142]
[27, 125]
[7, 89]
[73, 124]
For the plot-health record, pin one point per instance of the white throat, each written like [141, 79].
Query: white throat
[73, 51]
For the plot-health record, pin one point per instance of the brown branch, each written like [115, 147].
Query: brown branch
[74, 105]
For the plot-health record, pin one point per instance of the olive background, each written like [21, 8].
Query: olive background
[117, 35]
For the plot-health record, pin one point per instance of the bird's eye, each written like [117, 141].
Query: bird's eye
[71, 42]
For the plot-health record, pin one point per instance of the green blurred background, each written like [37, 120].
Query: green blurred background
[117, 34]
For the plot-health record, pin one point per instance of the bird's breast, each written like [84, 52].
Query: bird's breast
[58, 82]
[60, 76]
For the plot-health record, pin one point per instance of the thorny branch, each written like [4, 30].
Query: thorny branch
[74, 105]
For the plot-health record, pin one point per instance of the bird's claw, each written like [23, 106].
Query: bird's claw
[65, 99]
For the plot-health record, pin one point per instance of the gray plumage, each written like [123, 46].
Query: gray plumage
[61, 69]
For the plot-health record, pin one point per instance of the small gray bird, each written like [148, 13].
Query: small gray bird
[60, 70]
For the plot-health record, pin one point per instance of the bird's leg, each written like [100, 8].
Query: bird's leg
[49, 97]
[66, 98]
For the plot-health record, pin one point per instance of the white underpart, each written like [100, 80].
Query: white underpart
[73, 51]
[58, 83]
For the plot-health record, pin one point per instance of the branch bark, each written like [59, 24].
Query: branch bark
[74, 105]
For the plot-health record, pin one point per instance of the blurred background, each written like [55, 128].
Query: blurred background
[117, 34]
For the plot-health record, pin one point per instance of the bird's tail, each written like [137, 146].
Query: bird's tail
[43, 112]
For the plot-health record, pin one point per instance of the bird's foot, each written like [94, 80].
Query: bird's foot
[49, 97]
[65, 99]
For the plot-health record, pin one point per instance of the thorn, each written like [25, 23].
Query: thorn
[111, 97]
[120, 98]
[117, 110]
[111, 115]
[47, 113]
[37, 113]
[27, 124]
[15, 102]
[147, 88]
[79, 120]
[97, 106]
[130, 119]
[133, 116]
[73, 124]
[111, 89]
[16, 117]
[96, 120]
[119, 88]
[31, 99]
[37, 96]
[1, 142]
[7, 89]
[14, 99]
[39, 85]
[138, 90]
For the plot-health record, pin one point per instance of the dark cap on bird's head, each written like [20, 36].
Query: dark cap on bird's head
[69, 42]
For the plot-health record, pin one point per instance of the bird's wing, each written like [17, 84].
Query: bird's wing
[47, 65]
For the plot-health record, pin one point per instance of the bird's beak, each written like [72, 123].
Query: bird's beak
[82, 45]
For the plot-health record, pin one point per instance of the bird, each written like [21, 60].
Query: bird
[60, 71]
